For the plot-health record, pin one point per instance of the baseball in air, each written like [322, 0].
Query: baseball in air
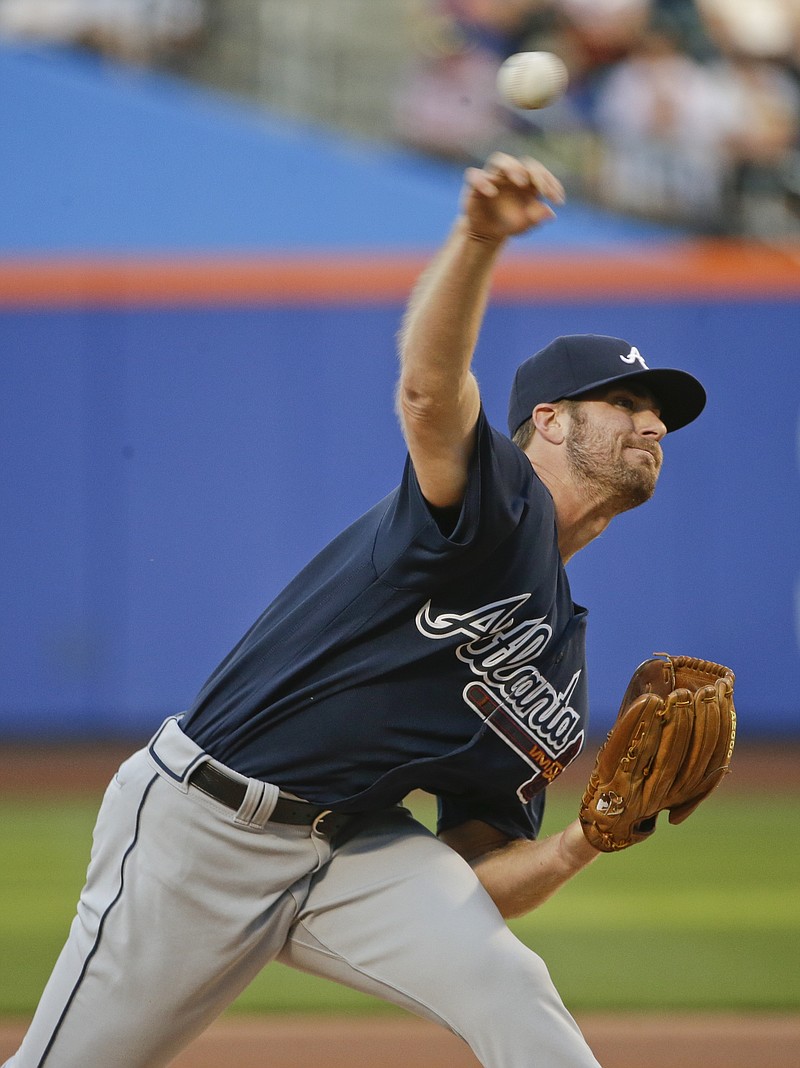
[532, 79]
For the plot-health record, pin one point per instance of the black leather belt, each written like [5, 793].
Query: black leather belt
[230, 792]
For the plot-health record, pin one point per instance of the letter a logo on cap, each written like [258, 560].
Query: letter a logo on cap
[634, 356]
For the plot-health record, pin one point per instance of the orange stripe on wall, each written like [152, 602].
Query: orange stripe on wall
[685, 271]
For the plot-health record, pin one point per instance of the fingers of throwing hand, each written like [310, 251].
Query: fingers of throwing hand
[481, 181]
[546, 182]
[503, 172]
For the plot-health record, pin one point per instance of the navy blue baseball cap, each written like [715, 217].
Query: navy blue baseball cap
[577, 363]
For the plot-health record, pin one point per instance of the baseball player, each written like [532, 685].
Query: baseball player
[433, 645]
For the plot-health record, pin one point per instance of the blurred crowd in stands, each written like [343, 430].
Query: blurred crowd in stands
[686, 111]
[135, 31]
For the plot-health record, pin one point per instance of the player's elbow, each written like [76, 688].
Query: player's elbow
[420, 404]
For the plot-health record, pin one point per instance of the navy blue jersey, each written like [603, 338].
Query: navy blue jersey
[406, 656]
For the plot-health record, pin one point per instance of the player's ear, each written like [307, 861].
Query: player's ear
[550, 422]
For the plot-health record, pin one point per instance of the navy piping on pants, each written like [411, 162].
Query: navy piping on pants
[96, 945]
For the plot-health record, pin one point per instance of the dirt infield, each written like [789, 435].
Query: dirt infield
[626, 1041]
[618, 1042]
[29, 769]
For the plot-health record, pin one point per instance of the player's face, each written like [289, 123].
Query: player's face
[613, 445]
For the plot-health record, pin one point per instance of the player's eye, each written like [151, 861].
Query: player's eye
[622, 400]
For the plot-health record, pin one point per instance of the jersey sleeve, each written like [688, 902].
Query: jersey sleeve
[509, 816]
[411, 548]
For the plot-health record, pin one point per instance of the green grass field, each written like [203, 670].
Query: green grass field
[704, 916]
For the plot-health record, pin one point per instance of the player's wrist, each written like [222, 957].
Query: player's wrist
[576, 849]
[481, 236]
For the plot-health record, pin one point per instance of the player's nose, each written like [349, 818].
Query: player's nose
[649, 424]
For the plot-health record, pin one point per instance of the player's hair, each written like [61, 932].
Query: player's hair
[523, 434]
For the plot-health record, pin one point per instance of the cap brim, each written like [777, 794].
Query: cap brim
[680, 396]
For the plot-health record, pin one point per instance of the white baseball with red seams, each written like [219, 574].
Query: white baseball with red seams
[532, 80]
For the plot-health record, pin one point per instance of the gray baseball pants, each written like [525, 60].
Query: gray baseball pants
[186, 901]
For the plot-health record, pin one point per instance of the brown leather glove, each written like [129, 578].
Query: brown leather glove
[669, 748]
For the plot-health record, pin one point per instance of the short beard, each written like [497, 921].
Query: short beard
[602, 472]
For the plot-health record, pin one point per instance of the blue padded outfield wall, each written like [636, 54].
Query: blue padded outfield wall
[167, 466]
[165, 472]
